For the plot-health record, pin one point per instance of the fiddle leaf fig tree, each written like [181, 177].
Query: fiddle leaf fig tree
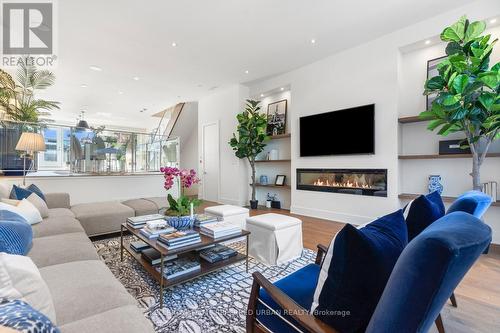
[251, 137]
[467, 91]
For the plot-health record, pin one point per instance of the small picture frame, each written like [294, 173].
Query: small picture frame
[276, 118]
[280, 180]
[431, 72]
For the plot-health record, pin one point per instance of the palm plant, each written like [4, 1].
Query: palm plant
[18, 100]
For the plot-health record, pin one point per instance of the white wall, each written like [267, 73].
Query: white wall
[85, 189]
[222, 107]
[365, 74]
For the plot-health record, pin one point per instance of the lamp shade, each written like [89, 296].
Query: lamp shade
[31, 142]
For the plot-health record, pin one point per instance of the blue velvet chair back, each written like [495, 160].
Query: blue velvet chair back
[472, 202]
[427, 272]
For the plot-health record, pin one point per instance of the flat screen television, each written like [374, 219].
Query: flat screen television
[343, 132]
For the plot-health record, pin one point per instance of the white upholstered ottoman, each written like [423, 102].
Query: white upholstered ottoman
[228, 213]
[274, 238]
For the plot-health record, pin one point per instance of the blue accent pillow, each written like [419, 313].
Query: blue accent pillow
[22, 317]
[422, 212]
[16, 235]
[35, 189]
[19, 193]
[473, 202]
[355, 271]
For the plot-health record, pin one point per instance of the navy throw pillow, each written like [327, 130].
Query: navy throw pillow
[355, 272]
[20, 316]
[19, 193]
[422, 212]
[16, 235]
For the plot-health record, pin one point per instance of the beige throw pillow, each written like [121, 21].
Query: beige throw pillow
[21, 279]
[5, 190]
[26, 209]
[39, 204]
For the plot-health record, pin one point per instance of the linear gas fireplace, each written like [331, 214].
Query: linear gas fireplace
[371, 182]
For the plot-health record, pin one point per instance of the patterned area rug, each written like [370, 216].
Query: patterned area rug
[212, 303]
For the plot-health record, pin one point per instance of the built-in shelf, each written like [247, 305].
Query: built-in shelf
[271, 161]
[411, 196]
[280, 136]
[410, 119]
[285, 187]
[437, 156]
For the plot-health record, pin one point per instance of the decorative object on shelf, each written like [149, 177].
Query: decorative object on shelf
[251, 139]
[276, 204]
[467, 91]
[450, 147]
[180, 213]
[432, 71]
[276, 118]
[264, 180]
[269, 199]
[29, 143]
[491, 188]
[280, 180]
[274, 155]
[435, 184]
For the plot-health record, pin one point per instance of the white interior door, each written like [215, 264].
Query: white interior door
[210, 162]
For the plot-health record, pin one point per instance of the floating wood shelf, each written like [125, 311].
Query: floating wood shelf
[411, 196]
[410, 119]
[280, 136]
[285, 187]
[271, 161]
[437, 156]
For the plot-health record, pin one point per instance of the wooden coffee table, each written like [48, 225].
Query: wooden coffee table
[190, 250]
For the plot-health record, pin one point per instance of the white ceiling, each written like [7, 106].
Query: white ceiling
[217, 40]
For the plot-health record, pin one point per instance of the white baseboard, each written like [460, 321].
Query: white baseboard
[332, 216]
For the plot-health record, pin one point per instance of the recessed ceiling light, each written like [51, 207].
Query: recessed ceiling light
[174, 44]
[261, 95]
[246, 72]
[136, 78]
[427, 42]
[95, 68]
[493, 21]
[282, 88]
[83, 86]
[120, 93]
[313, 41]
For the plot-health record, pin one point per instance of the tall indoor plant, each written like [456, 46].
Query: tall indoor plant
[467, 91]
[251, 138]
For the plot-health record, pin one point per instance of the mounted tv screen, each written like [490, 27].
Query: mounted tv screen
[344, 132]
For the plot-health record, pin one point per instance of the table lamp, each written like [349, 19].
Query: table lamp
[30, 143]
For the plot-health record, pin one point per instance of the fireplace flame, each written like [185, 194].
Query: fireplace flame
[351, 184]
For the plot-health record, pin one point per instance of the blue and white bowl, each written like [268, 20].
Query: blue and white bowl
[180, 222]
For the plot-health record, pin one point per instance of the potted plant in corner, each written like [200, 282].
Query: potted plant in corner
[467, 91]
[251, 138]
[180, 214]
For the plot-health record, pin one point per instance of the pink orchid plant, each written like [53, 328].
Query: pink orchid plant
[186, 179]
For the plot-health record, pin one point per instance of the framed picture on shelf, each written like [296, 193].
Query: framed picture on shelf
[276, 118]
[280, 180]
[431, 72]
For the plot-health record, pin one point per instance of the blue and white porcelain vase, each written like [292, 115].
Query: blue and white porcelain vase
[435, 184]
[180, 222]
[263, 180]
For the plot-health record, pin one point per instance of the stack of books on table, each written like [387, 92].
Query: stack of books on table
[138, 222]
[179, 239]
[179, 267]
[155, 228]
[202, 219]
[219, 229]
[217, 253]
[153, 257]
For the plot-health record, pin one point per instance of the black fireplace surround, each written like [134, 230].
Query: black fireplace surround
[370, 182]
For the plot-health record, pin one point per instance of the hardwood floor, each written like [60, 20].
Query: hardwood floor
[478, 295]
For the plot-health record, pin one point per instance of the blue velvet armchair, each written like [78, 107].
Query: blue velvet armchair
[424, 277]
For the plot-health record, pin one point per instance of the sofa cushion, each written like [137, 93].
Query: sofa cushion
[160, 202]
[422, 212]
[16, 235]
[300, 287]
[102, 217]
[4, 190]
[82, 289]
[57, 225]
[126, 319]
[63, 248]
[55, 212]
[20, 279]
[355, 271]
[142, 206]
[473, 202]
[39, 204]
[35, 189]
[22, 317]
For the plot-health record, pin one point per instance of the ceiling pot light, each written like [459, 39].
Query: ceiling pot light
[246, 72]
[174, 44]
[136, 78]
[83, 86]
[120, 93]
[261, 95]
[282, 89]
[427, 42]
[313, 41]
[95, 68]
[492, 21]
